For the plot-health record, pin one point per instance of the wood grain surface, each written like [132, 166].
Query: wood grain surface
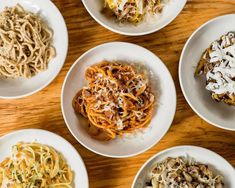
[42, 110]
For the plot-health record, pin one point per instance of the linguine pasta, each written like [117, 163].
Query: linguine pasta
[133, 11]
[33, 165]
[25, 43]
[117, 100]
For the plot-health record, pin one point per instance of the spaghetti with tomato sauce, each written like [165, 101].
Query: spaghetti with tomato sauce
[117, 100]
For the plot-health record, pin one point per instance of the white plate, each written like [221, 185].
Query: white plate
[169, 13]
[216, 163]
[17, 88]
[132, 144]
[218, 114]
[72, 157]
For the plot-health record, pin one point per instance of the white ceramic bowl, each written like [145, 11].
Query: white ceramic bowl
[169, 13]
[132, 144]
[72, 157]
[216, 163]
[218, 114]
[18, 88]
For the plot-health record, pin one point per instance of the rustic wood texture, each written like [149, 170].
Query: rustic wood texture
[42, 110]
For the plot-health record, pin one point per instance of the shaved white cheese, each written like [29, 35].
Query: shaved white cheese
[122, 4]
[109, 106]
[99, 75]
[120, 124]
[223, 72]
[140, 5]
[97, 105]
[138, 114]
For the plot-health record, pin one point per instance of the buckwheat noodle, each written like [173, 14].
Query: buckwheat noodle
[25, 43]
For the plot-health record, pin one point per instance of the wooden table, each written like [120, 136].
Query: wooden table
[42, 110]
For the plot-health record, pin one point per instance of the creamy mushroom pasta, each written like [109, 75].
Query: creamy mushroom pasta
[25, 43]
[183, 173]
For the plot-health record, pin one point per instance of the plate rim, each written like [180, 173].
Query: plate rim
[78, 61]
[177, 148]
[12, 133]
[132, 33]
[63, 23]
[180, 71]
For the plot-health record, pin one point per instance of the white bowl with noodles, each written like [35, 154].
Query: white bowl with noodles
[22, 87]
[130, 144]
[216, 163]
[194, 88]
[149, 25]
[71, 156]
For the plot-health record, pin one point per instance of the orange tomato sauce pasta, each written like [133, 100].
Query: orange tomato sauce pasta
[117, 100]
